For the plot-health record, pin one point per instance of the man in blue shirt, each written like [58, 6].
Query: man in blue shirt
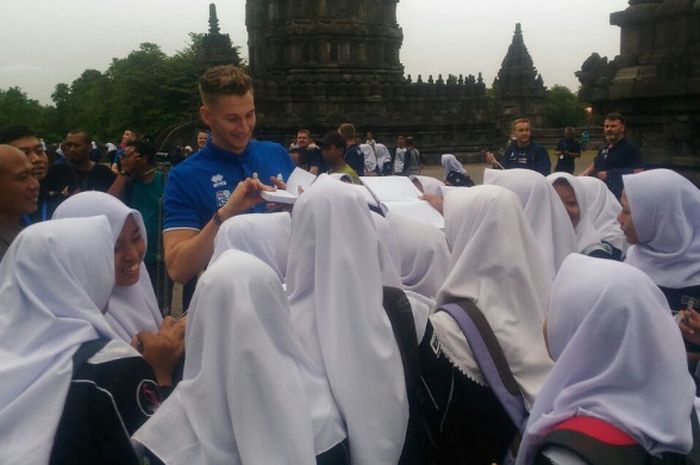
[617, 157]
[221, 180]
[523, 152]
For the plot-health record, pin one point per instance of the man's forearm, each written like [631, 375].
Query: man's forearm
[191, 255]
[118, 186]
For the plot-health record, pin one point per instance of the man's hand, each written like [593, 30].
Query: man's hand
[602, 175]
[278, 183]
[244, 196]
[129, 161]
[490, 158]
[689, 322]
[435, 201]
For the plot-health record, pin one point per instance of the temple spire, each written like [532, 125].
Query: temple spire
[213, 20]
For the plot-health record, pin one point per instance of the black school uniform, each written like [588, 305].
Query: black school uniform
[468, 423]
[111, 395]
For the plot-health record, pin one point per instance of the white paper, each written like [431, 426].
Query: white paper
[279, 196]
[391, 188]
[298, 178]
[399, 195]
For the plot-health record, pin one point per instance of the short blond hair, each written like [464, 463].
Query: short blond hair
[518, 121]
[223, 80]
[347, 130]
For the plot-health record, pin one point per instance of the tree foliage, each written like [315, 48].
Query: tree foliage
[563, 108]
[17, 108]
[147, 90]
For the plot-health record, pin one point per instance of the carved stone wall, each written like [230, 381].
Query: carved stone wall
[654, 82]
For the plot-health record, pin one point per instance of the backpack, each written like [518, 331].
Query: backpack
[488, 354]
[600, 443]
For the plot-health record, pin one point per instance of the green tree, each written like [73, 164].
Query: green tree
[563, 108]
[16, 108]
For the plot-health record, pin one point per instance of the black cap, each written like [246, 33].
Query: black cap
[333, 138]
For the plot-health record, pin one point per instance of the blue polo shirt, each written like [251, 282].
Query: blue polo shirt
[533, 157]
[203, 183]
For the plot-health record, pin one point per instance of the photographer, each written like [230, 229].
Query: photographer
[140, 185]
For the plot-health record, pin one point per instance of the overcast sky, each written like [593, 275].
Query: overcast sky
[43, 43]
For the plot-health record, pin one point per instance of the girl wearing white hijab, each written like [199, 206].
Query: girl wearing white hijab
[661, 219]
[428, 185]
[72, 392]
[132, 307]
[263, 235]
[603, 209]
[494, 264]
[619, 358]
[244, 398]
[424, 255]
[554, 234]
[454, 172]
[573, 197]
[334, 283]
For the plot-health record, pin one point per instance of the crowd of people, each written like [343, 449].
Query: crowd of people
[548, 323]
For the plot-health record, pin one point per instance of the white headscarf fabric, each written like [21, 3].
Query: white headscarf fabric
[587, 236]
[665, 209]
[334, 285]
[554, 233]
[493, 262]
[429, 185]
[619, 357]
[603, 208]
[450, 163]
[424, 254]
[242, 399]
[134, 308]
[264, 235]
[390, 253]
[55, 279]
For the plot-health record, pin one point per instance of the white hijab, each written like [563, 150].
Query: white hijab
[494, 264]
[450, 163]
[603, 208]
[587, 236]
[665, 209]
[55, 278]
[334, 285]
[619, 357]
[134, 308]
[390, 253]
[424, 254]
[242, 399]
[428, 184]
[264, 235]
[554, 233]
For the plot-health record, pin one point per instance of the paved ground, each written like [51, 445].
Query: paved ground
[476, 170]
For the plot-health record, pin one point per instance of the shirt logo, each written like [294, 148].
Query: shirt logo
[148, 397]
[222, 197]
[218, 181]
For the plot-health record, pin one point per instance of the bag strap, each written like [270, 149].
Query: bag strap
[87, 350]
[418, 442]
[398, 309]
[490, 358]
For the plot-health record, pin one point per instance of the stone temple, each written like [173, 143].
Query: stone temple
[318, 63]
[654, 82]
